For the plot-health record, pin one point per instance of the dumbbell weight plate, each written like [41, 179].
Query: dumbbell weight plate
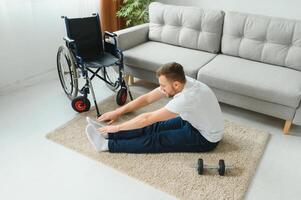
[222, 167]
[200, 166]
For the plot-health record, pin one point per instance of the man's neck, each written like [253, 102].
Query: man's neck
[182, 86]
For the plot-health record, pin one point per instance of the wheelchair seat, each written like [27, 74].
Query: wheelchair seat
[104, 60]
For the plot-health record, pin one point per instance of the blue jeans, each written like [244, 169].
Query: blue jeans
[174, 135]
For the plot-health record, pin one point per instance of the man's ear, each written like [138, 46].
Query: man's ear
[176, 84]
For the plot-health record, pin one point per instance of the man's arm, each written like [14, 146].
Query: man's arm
[140, 121]
[141, 101]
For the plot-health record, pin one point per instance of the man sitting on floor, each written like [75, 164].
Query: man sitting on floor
[191, 122]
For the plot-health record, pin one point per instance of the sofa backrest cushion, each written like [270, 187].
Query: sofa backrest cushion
[189, 27]
[261, 38]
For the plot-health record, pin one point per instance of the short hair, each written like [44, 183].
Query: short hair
[172, 71]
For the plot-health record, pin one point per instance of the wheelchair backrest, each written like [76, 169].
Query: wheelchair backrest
[86, 33]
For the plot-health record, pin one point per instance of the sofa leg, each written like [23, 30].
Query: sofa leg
[287, 126]
[126, 78]
[131, 80]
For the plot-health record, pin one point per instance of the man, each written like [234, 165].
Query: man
[191, 122]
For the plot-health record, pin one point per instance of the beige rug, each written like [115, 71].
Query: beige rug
[173, 173]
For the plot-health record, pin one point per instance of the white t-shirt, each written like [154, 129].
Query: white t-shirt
[198, 105]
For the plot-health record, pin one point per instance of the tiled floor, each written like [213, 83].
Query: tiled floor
[32, 167]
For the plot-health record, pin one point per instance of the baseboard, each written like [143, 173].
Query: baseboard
[46, 75]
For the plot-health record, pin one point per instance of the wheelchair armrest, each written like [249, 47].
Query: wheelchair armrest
[68, 40]
[110, 34]
[70, 43]
[111, 38]
[110, 45]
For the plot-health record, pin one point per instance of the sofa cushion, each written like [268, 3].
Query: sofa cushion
[266, 39]
[151, 55]
[254, 79]
[189, 27]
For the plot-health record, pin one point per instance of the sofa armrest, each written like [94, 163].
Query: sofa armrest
[133, 36]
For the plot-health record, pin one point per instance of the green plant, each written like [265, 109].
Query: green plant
[134, 11]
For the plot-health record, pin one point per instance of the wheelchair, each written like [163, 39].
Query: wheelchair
[86, 54]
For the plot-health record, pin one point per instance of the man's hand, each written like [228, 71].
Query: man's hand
[109, 116]
[139, 102]
[109, 129]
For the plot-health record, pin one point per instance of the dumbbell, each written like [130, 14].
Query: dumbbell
[221, 168]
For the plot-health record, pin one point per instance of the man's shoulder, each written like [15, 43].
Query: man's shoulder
[194, 83]
[197, 91]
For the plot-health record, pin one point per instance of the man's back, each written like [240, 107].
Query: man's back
[198, 105]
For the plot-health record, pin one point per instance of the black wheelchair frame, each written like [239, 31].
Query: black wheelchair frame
[79, 56]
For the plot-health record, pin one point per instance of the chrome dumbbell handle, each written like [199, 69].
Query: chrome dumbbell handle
[216, 167]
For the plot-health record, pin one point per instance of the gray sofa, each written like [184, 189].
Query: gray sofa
[250, 61]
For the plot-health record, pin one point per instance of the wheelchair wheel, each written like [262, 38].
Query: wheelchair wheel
[67, 72]
[121, 96]
[81, 104]
[111, 74]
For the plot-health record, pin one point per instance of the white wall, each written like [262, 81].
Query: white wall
[279, 8]
[30, 33]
